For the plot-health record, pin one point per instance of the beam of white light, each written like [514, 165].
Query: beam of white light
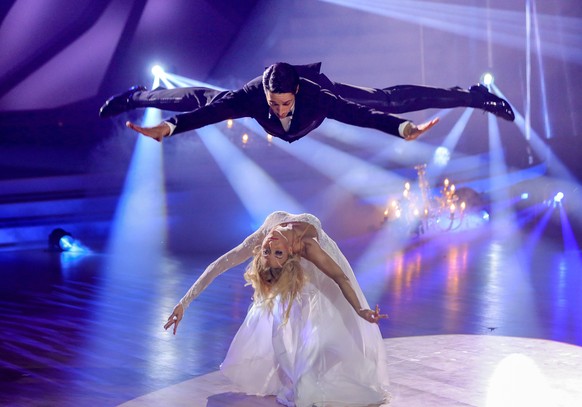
[497, 170]
[167, 83]
[383, 147]
[528, 69]
[544, 97]
[506, 180]
[258, 192]
[371, 265]
[351, 173]
[561, 35]
[450, 142]
[555, 165]
[182, 81]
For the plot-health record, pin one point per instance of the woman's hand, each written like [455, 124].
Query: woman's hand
[175, 318]
[157, 132]
[372, 316]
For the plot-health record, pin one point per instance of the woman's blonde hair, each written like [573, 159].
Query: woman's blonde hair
[268, 282]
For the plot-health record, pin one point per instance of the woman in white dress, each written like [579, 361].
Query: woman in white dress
[309, 337]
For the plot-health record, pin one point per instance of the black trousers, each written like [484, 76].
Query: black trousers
[395, 99]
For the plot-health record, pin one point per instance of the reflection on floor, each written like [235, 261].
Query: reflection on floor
[464, 310]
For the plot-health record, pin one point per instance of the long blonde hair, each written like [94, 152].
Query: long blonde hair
[285, 282]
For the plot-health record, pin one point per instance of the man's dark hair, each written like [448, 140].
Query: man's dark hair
[280, 78]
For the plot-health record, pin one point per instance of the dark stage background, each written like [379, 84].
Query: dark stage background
[84, 328]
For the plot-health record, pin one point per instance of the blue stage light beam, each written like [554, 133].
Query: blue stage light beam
[568, 236]
[139, 229]
[140, 221]
[258, 192]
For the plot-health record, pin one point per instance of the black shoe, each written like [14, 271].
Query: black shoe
[491, 103]
[119, 103]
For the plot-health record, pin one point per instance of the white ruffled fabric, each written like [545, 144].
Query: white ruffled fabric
[325, 355]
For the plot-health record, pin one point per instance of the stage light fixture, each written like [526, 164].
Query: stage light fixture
[60, 240]
[157, 70]
[487, 79]
[558, 197]
[442, 156]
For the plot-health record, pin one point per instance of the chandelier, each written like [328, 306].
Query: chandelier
[418, 211]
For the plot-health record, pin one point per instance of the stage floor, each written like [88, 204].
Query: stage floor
[473, 316]
[441, 370]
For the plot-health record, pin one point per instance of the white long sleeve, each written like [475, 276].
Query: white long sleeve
[234, 257]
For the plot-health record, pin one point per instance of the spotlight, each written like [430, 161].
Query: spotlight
[157, 70]
[442, 156]
[524, 196]
[558, 197]
[487, 79]
[63, 241]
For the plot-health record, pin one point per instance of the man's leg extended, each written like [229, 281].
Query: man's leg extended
[176, 99]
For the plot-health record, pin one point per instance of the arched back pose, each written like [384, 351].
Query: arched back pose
[309, 337]
[290, 101]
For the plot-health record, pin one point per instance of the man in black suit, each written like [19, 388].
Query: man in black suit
[290, 101]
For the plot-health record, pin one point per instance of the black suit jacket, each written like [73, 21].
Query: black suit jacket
[314, 102]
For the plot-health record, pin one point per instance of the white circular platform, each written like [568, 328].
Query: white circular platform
[427, 371]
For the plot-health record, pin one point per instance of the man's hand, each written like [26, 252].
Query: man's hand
[412, 132]
[157, 132]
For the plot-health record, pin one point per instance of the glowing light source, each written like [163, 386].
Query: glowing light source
[157, 70]
[63, 241]
[487, 79]
[558, 197]
[442, 156]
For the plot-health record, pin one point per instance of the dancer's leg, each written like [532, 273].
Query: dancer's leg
[409, 98]
[177, 99]
[406, 98]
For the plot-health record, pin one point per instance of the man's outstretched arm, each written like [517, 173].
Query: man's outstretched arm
[156, 132]
[364, 116]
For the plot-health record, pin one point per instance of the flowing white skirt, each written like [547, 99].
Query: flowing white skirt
[325, 354]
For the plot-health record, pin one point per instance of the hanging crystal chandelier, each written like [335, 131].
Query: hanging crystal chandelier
[420, 212]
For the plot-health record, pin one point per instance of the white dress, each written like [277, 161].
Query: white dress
[325, 355]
